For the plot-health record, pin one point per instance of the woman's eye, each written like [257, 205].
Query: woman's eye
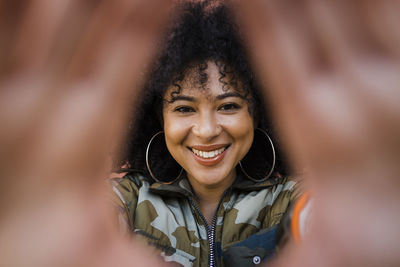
[229, 107]
[184, 109]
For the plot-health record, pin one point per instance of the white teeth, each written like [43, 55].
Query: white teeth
[208, 154]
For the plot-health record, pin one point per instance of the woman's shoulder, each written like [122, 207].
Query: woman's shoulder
[129, 185]
[129, 179]
[292, 184]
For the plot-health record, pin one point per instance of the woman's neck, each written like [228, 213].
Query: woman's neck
[208, 196]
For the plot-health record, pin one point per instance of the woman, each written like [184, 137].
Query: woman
[204, 186]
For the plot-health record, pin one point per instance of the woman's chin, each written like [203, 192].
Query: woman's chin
[211, 178]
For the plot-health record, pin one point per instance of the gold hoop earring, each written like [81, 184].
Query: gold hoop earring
[266, 175]
[148, 163]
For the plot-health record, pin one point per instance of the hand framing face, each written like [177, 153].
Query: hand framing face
[69, 74]
[331, 73]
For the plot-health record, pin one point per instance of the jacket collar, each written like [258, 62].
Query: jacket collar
[182, 187]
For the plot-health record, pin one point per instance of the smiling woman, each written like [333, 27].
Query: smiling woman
[208, 131]
[202, 183]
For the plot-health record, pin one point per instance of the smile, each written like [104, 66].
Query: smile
[209, 155]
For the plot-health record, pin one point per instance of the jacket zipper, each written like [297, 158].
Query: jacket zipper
[210, 230]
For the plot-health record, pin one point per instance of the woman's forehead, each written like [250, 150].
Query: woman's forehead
[207, 82]
[209, 90]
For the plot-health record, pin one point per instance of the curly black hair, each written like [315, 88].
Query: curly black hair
[199, 34]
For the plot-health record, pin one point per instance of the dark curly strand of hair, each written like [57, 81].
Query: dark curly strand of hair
[198, 35]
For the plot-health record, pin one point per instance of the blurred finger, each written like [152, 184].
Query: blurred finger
[383, 21]
[37, 30]
[317, 99]
[90, 114]
[110, 21]
[70, 122]
[284, 50]
[10, 13]
[369, 66]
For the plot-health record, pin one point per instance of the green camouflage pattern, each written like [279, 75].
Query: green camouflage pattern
[165, 216]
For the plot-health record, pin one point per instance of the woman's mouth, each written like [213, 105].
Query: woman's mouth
[209, 155]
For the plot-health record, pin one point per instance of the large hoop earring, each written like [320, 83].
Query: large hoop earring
[148, 162]
[269, 171]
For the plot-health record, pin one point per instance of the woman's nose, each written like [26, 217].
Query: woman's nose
[206, 127]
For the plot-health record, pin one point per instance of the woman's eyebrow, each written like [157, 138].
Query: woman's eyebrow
[182, 97]
[193, 99]
[229, 94]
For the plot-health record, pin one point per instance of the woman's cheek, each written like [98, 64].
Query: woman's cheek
[239, 126]
[175, 129]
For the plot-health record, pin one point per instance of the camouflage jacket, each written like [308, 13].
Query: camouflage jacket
[244, 228]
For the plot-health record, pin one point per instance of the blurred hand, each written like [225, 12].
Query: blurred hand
[331, 70]
[69, 74]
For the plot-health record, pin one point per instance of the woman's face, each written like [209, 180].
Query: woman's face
[208, 130]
